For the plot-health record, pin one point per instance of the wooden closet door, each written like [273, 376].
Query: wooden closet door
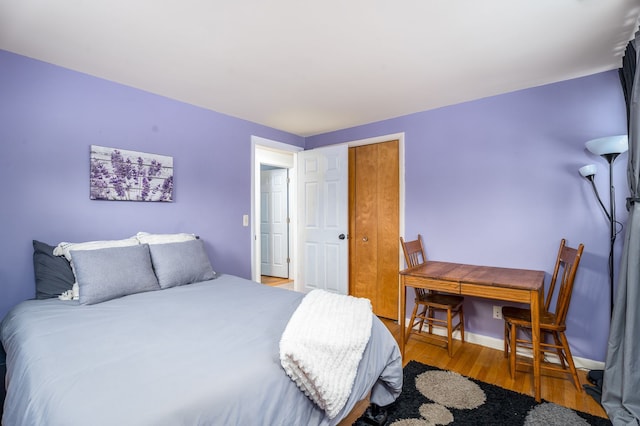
[374, 225]
[388, 229]
[363, 255]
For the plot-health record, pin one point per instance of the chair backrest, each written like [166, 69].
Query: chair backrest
[561, 285]
[413, 252]
[414, 255]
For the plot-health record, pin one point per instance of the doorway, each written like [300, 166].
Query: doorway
[272, 155]
[274, 223]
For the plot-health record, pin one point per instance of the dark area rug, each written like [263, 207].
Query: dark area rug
[431, 396]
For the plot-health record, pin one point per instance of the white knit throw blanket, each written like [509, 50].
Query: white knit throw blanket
[322, 345]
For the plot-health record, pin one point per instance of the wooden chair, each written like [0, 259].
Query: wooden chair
[552, 319]
[431, 302]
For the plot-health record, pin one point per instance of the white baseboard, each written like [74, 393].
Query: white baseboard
[494, 343]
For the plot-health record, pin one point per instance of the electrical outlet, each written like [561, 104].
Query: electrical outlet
[497, 312]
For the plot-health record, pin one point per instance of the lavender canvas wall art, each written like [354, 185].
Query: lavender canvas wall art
[118, 174]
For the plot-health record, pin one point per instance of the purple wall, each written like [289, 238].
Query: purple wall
[493, 181]
[49, 116]
[496, 182]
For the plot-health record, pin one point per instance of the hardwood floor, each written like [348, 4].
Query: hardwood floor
[274, 281]
[489, 365]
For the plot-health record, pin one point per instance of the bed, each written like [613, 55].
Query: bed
[206, 352]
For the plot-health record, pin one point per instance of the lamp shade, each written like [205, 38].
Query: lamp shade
[608, 145]
[588, 170]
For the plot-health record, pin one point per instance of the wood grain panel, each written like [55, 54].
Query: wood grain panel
[388, 197]
[374, 183]
[496, 293]
[444, 286]
[367, 220]
[353, 290]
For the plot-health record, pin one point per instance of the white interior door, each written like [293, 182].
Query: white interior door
[274, 233]
[323, 220]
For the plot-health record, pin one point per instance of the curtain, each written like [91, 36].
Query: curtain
[621, 381]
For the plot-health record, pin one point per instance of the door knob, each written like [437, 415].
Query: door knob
[341, 236]
[365, 238]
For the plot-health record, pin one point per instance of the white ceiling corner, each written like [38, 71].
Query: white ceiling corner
[314, 67]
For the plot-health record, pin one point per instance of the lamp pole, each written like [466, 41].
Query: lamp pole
[612, 225]
[588, 172]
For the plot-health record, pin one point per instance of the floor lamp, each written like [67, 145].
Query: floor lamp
[609, 148]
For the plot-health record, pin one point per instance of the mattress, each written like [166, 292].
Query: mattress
[203, 353]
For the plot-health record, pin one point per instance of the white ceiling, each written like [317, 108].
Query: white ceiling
[309, 67]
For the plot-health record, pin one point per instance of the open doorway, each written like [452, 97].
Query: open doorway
[273, 221]
[274, 226]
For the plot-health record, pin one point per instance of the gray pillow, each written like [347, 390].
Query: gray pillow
[53, 274]
[108, 273]
[181, 263]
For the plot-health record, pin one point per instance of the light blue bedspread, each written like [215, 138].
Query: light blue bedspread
[200, 354]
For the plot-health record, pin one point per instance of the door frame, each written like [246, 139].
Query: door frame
[272, 153]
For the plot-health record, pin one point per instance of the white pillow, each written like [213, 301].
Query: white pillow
[147, 238]
[64, 248]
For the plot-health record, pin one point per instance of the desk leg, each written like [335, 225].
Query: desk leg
[535, 339]
[403, 308]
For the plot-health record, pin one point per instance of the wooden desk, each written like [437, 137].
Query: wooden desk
[511, 285]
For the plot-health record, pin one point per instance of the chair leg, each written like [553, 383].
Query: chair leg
[572, 367]
[506, 340]
[411, 324]
[461, 319]
[559, 349]
[430, 323]
[449, 333]
[422, 314]
[512, 350]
